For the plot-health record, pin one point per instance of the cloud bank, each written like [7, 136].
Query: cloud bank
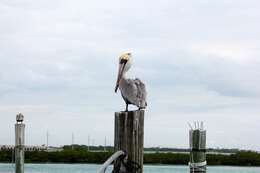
[199, 60]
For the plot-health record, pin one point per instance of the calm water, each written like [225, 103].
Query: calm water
[92, 168]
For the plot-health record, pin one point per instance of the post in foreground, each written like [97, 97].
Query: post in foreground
[19, 144]
[129, 137]
[198, 161]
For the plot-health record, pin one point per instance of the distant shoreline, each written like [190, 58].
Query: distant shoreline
[82, 156]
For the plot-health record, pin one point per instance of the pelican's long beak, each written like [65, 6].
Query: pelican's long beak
[119, 75]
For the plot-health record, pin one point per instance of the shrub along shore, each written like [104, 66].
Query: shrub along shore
[246, 158]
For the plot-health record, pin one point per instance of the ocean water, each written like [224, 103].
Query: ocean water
[93, 168]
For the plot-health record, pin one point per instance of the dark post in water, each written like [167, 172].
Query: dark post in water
[19, 144]
[198, 161]
[129, 137]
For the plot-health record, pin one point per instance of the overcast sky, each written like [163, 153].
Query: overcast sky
[199, 60]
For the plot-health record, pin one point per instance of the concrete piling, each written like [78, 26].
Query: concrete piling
[197, 140]
[19, 144]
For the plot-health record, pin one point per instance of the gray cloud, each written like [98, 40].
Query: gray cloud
[198, 59]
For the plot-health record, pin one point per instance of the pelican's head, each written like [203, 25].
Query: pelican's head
[124, 66]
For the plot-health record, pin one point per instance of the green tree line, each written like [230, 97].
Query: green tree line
[68, 155]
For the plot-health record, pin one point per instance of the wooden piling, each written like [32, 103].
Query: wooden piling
[129, 136]
[19, 144]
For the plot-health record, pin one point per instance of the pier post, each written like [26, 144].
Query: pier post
[198, 161]
[129, 137]
[19, 144]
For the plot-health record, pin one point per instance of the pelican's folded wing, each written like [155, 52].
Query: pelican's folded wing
[141, 93]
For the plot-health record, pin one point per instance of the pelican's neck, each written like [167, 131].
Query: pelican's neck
[123, 79]
[123, 76]
[127, 67]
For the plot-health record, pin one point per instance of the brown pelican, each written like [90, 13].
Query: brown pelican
[133, 90]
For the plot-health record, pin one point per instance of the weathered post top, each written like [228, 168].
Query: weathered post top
[19, 118]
